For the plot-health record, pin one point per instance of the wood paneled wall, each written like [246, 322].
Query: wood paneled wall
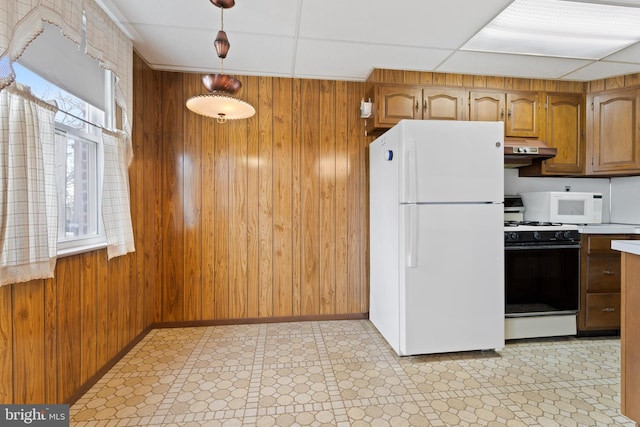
[56, 334]
[380, 75]
[265, 217]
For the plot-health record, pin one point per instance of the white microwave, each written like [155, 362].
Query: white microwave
[566, 207]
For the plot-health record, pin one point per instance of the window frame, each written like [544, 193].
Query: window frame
[90, 132]
[74, 245]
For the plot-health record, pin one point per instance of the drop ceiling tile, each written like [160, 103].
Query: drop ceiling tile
[497, 64]
[354, 61]
[192, 50]
[446, 24]
[602, 70]
[272, 17]
[630, 54]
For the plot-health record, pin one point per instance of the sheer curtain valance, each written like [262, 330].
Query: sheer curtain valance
[21, 21]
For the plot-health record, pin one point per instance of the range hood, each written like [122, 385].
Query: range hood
[520, 152]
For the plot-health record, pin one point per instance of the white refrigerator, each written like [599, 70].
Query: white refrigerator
[436, 236]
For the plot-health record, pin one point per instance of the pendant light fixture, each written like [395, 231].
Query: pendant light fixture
[220, 102]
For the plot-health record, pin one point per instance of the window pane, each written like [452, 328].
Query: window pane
[66, 102]
[77, 181]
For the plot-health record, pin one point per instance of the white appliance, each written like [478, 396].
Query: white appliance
[563, 207]
[436, 241]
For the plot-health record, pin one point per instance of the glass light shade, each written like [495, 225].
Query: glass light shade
[221, 107]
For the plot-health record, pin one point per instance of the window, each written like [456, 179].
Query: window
[79, 164]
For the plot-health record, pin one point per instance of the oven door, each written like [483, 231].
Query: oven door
[542, 279]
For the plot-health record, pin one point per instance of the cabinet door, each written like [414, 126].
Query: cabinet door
[486, 106]
[614, 144]
[443, 104]
[522, 114]
[565, 131]
[397, 102]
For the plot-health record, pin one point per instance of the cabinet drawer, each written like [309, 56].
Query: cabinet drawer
[603, 311]
[602, 244]
[603, 273]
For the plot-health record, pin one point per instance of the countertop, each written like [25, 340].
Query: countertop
[610, 229]
[629, 246]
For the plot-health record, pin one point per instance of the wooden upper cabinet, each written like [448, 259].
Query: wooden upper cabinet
[522, 114]
[395, 102]
[565, 131]
[444, 104]
[486, 106]
[518, 111]
[614, 144]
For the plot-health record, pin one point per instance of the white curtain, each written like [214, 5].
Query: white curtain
[116, 212]
[28, 199]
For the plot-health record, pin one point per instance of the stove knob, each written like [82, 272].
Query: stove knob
[536, 235]
[514, 236]
[559, 235]
[567, 235]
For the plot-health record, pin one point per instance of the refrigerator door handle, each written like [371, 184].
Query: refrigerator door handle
[412, 239]
[410, 167]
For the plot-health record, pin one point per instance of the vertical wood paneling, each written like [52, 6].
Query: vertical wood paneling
[113, 312]
[238, 219]
[139, 205]
[327, 197]
[341, 117]
[310, 215]
[221, 232]
[88, 315]
[147, 146]
[192, 195]
[28, 330]
[208, 219]
[282, 198]
[355, 191]
[103, 310]
[51, 353]
[251, 90]
[6, 345]
[265, 197]
[69, 326]
[297, 172]
[172, 207]
[121, 271]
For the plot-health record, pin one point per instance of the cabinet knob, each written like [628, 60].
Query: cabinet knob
[417, 105]
[608, 309]
[608, 272]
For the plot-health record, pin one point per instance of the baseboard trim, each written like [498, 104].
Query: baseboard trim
[253, 320]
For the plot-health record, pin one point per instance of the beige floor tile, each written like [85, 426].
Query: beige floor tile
[343, 373]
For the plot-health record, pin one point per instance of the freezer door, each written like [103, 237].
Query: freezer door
[452, 278]
[451, 161]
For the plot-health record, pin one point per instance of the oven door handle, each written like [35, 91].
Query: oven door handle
[531, 247]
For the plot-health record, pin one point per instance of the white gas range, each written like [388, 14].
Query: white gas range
[542, 276]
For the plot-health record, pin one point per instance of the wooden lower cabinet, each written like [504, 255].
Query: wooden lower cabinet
[600, 278]
[630, 338]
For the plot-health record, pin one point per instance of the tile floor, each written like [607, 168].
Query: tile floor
[342, 373]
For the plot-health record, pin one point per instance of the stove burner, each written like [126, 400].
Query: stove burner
[530, 223]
